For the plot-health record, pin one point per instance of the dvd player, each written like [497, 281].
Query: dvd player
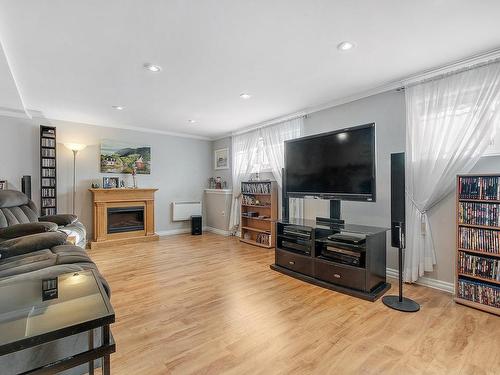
[349, 238]
[297, 231]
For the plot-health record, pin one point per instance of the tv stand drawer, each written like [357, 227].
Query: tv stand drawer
[347, 276]
[295, 262]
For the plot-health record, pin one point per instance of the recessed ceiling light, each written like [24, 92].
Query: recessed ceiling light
[244, 95]
[152, 67]
[118, 107]
[345, 46]
[192, 121]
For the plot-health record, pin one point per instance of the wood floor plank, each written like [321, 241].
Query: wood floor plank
[211, 305]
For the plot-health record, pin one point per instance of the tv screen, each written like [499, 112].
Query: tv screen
[335, 165]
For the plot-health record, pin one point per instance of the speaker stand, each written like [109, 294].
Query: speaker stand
[399, 302]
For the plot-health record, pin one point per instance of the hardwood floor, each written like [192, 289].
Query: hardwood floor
[211, 305]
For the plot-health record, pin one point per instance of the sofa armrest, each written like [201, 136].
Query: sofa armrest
[31, 243]
[21, 230]
[60, 219]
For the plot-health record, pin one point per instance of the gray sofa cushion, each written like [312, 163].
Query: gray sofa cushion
[12, 198]
[25, 263]
[20, 230]
[61, 219]
[33, 242]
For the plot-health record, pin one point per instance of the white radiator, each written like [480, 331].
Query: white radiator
[184, 210]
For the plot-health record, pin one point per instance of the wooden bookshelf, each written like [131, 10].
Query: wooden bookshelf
[260, 197]
[478, 241]
[48, 170]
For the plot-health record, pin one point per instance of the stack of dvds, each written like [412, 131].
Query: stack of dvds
[479, 187]
[485, 240]
[479, 292]
[479, 213]
[474, 265]
[256, 188]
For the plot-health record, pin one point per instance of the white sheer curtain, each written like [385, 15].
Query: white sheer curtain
[244, 150]
[245, 156]
[449, 122]
[274, 143]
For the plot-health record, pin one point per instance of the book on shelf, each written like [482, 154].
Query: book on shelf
[478, 239]
[256, 187]
[479, 292]
[48, 142]
[479, 213]
[479, 187]
[474, 265]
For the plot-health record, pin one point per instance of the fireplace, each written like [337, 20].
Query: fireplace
[125, 219]
[123, 216]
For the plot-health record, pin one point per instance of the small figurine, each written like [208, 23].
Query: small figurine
[218, 183]
[134, 178]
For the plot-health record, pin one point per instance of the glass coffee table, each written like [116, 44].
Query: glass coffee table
[34, 312]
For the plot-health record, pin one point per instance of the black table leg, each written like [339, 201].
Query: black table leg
[91, 347]
[106, 366]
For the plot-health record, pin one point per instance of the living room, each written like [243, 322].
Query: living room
[152, 153]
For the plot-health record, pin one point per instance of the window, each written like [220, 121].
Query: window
[261, 163]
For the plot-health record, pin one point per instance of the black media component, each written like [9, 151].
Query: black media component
[284, 197]
[196, 225]
[335, 165]
[399, 302]
[398, 200]
[26, 186]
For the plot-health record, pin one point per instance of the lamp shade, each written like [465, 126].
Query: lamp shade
[75, 146]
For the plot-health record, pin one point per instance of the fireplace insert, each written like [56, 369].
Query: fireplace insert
[125, 219]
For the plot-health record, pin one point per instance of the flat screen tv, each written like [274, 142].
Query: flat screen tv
[335, 165]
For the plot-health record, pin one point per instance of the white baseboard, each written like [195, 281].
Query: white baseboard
[172, 232]
[217, 231]
[426, 281]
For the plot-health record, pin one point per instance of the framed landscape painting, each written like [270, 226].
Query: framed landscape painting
[221, 159]
[119, 157]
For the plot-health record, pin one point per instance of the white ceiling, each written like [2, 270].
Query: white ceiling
[73, 60]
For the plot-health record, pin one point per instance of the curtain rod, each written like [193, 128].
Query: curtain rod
[457, 67]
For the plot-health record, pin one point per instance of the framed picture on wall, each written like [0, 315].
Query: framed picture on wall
[221, 158]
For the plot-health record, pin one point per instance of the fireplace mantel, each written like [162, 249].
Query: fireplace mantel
[102, 199]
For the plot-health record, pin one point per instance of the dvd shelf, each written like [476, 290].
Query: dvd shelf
[259, 211]
[478, 242]
[474, 265]
[485, 214]
[48, 171]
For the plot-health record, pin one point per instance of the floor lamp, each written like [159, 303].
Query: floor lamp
[75, 147]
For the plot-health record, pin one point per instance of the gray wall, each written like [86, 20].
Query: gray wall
[225, 174]
[180, 166]
[388, 112]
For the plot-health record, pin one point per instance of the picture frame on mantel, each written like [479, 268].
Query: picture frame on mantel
[221, 158]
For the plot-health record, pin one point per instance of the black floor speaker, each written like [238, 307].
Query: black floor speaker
[398, 231]
[196, 225]
[26, 186]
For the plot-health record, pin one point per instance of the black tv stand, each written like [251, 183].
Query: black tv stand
[346, 258]
[328, 221]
